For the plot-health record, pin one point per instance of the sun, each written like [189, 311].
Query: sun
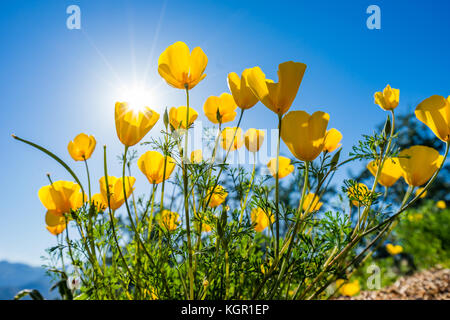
[137, 97]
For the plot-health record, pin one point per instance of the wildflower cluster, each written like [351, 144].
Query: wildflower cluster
[226, 233]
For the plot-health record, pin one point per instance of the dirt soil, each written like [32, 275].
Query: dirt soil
[433, 284]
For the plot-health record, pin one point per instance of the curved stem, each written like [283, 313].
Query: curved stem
[52, 155]
[417, 197]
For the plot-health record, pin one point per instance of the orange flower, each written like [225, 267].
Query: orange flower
[169, 220]
[332, 139]
[180, 68]
[133, 124]
[253, 139]
[305, 134]
[151, 164]
[278, 97]
[285, 167]
[241, 91]
[115, 186]
[220, 109]
[177, 117]
[81, 147]
[61, 197]
[231, 138]
[55, 224]
[388, 99]
[261, 219]
[218, 197]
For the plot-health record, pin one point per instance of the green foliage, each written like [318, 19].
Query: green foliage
[298, 255]
[424, 233]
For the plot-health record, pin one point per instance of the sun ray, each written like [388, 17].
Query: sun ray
[155, 39]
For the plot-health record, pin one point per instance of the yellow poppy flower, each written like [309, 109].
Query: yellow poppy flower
[418, 164]
[231, 138]
[100, 202]
[61, 197]
[177, 117]
[390, 173]
[196, 156]
[115, 186]
[55, 224]
[388, 99]
[181, 68]
[305, 134]
[419, 190]
[315, 206]
[169, 220]
[278, 97]
[269, 265]
[285, 167]
[394, 249]
[55, 230]
[261, 219]
[206, 227]
[349, 289]
[81, 147]
[241, 91]
[435, 113]
[441, 204]
[224, 106]
[358, 194]
[332, 139]
[218, 196]
[151, 293]
[133, 124]
[253, 139]
[151, 165]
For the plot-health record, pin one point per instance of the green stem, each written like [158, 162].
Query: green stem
[112, 224]
[224, 161]
[88, 177]
[150, 220]
[384, 156]
[244, 205]
[186, 200]
[297, 224]
[277, 190]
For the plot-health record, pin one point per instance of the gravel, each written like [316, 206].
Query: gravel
[433, 284]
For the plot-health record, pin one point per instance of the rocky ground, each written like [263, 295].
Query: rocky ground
[433, 284]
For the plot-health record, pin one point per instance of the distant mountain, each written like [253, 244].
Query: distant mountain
[18, 276]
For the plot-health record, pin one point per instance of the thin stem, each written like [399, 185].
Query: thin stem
[113, 228]
[427, 186]
[384, 155]
[186, 200]
[224, 161]
[244, 204]
[277, 190]
[150, 219]
[88, 177]
[300, 217]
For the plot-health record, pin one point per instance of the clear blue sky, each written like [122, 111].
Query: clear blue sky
[56, 83]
